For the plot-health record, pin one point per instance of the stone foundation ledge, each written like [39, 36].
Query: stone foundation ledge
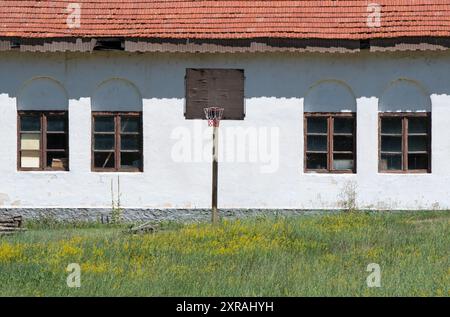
[137, 215]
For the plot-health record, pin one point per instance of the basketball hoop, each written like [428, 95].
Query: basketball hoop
[213, 115]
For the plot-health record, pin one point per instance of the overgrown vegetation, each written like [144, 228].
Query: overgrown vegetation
[116, 208]
[294, 256]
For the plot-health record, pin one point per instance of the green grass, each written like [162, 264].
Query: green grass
[321, 255]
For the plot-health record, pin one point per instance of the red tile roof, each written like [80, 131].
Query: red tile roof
[220, 19]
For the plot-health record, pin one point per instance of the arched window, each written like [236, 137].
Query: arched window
[43, 128]
[330, 128]
[117, 127]
[405, 128]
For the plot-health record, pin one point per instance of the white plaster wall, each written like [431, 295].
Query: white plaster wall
[276, 88]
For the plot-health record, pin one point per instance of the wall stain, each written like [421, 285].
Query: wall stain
[3, 199]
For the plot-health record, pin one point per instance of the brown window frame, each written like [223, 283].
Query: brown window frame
[42, 140]
[117, 140]
[405, 116]
[330, 133]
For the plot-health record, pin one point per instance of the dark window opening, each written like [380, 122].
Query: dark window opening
[117, 141]
[330, 142]
[43, 141]
[405, 142]
[109, 45]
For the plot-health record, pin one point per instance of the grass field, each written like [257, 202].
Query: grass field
[324, 255]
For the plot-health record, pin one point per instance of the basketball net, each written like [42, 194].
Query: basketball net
[213, 115]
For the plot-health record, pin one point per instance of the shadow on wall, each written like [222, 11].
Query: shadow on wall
[330, 96]
[116, 95]
[42, 93]
[405, 95]
[156, 75]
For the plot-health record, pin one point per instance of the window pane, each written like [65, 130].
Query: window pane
[343, 125]
[317, 125]
[30, 159]
[56, 123]
[104, 124]
[316, 161]
[417, 161]
[30, 141]
[343, 161]
[343, 143]
[104, 160]
[391, 161]
[56, 141]
[129, 142]
[316, 143]
[417, 143]
[130, 124]
[418, 125]
[391, 125]
[128, 159]
[30, 123]
[103, 142]
[57, 160]
[391, 143]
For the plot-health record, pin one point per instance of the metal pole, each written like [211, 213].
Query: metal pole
[215, 214]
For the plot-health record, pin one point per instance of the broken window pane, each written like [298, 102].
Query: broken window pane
[121, 147]
[343, 143]
[30, 123]
[104, 142]
[391, 143]
[57, 160]
[317, 125]
[343, 161]
[343, 125]
[414, 133]
[33, 140]
[391, 161]
[104, 160]
[130, 124]
[30, 141]
[104, 124]
[417, 143]
[130, 159]
[391, 125]
[56, 141]
[417, 161]
[56, 123]
[30, 159]
[317, 143]
[316, 161]
[327, 133]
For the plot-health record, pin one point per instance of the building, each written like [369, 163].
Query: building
[328, 105]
